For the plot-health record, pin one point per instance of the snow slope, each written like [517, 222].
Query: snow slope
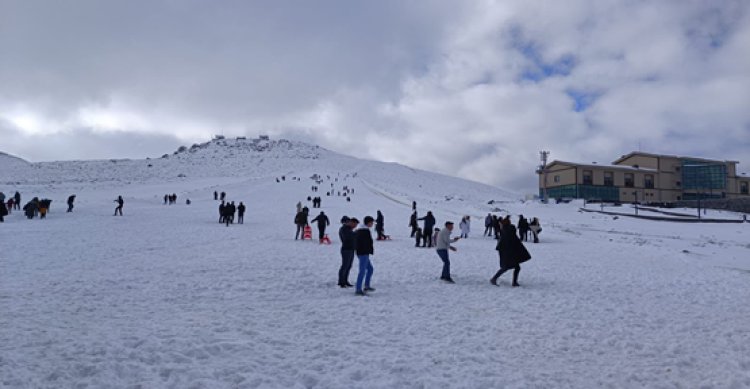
[165, 296]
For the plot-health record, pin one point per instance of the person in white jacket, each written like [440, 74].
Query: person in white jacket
[443, 244]
[465, 226]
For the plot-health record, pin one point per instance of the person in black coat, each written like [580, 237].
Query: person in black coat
[222, 212]
[348, 245]
[241, 213]
[512, 253]
[300, 220]
[429, 223]
[413, 223]
[523, 228]
[71, 199]
[380, 225]
[3, 211]
[364, 249]
[323, 222]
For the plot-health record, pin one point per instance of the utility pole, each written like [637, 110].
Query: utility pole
[543, 155]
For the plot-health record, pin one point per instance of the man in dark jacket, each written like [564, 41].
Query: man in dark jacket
[241, 213]
[300, 220]
[323, 222]
[222, 211]
[512, 253]
[413, 223]
[17, 200]
[488, 225]
[523, 228]
[71, 199]
[364, 249]
[348, 245]
[380, 225]
[429, 223]
[120, 202]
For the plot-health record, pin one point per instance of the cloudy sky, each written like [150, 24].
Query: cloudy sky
[468, 88]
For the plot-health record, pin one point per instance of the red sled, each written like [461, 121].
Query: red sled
[307, 233]
[384, 237]
[325, 240]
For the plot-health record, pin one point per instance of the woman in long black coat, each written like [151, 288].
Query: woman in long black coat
[512, 253]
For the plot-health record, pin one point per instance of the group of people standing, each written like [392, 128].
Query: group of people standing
[493, 226]
[227, 211]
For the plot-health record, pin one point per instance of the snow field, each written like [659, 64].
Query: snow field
[165, 296]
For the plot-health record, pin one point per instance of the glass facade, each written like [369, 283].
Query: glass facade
[588, 192]
[648, 181]
[697, 175]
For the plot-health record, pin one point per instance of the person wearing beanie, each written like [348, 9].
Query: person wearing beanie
[364, 250]
[348, 245]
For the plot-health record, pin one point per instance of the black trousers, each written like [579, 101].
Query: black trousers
[300, 231]
[321, 233]
[118, 209]
[427, 240]
[516, 270]
[488, 230]
[347, 257]
[413, 230]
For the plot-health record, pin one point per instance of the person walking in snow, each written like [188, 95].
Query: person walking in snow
[300, 220]
[512, 253]
[166, 198]
[442, 245]
[418, 237]
[413, 223]
[380, 225]
[222, 212]
[241, 213]
[120, 202]
[71, 199]
[364, 250]
[523, 228]
[3, 211]
[216, 195]
[429, 223]
[535, 229]
[488, 225]
[348, 245]
[465, 226]
[17, 200]
[323, 222]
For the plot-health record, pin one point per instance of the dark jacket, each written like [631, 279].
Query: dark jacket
[364, 242]
[379, 222]
[512, 252]
[322, 221]
[3, 209]
[348, 238]
[301, 218]
[241, 209]
[429, 222]
[413, 220]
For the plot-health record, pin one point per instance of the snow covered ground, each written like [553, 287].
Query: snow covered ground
[165, 296]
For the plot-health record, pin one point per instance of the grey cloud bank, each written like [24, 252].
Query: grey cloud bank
[473, 89]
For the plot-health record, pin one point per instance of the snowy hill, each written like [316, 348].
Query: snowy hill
[165, 296]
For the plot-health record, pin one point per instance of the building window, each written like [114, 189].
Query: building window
[588, 177]
[743, 187]
[629, 180]
[648, 181]
[556, 179]
[609, 179]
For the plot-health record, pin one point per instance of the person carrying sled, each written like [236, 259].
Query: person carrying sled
[323, 222]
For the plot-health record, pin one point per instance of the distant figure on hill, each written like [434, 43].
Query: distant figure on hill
[418, 237]
[223, 196]
[512, 253]
[120, 202]
[216, 195]
[187, 201]
[71, 199]
[443, 244]
[241, 213]
[222, 212]
[30, 209]
[323, 222]
[17, 200]
[44, 205]
[11, 204]
[166, 198]
[231, 209]
[413, 205]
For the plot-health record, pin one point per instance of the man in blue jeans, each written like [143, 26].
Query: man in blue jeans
[364, 250]
[443, 244]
